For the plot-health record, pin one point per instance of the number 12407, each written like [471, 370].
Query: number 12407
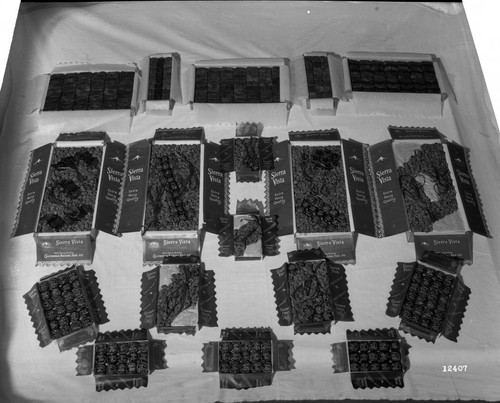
[454, 368]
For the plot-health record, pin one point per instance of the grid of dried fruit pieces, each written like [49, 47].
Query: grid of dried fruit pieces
[180, 294]
[130, 357]
[71, 190]
[64, 303]
[318, 77]
[90, 91]
[237, 84]
[173, 192]
[319, 189]
[427, 169]
[243, 357]
[160, 75]
[365, 356]
[426, 302]
[393, 76]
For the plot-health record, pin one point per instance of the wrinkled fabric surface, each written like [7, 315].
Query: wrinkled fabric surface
[48, 35]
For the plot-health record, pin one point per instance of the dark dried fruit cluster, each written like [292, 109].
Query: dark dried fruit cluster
[160, 76]
[319, 189]
[64, 304]
[318, 77]
[246, 154]
[173, 193]
[243, 357]
[428, 297]
[179, 295]
[248, 234]
[71, 190]
[365, 356]
[121, 358]
[393, 76]
[309, 292]
[90, 91]
[237, 84]
[427, 168]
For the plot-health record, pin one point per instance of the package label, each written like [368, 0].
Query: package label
[336, 247]
[156, 247]
[64, 248]
[457, 245]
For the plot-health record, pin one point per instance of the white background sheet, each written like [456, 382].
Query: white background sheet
[123, 32]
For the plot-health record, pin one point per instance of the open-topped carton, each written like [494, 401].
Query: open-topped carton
[161, 193]
[247, 357]
[121, 359]
[375, 358]
[67, 307]
[178, 296]
[53, 204]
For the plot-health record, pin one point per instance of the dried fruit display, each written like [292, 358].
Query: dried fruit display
[121, 358]
[180, 294]
[393, 76]
[319, 189]
[247, 234]
[243, 357]
[246, 154]
[71, 190]
[318, 77]
[173, 192]
[428, 189]
[366, 356]
[160, 75]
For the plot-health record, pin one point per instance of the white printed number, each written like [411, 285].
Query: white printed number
[454, 368]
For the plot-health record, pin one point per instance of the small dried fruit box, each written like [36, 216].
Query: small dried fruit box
[70, 192]
[247, 357]
[241, 90]
[178, 296]
[311, 292]
[375, 358]
[66, 307]
[430, 297]
[121, 359]
[161, 194]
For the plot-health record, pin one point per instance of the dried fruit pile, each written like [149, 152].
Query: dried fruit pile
[428, 297]
[246, 154]
[243, 357]
[248, 234]
[71, 190]
[65, 304]
[427, 168]
[319, 189]
[173, 192]
[318, 77]
[160, 75]
[179, 295]
[121, 358]
[365, 356]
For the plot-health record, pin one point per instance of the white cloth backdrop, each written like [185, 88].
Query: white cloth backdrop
[122, 32]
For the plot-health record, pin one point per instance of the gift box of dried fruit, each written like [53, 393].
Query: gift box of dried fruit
[375, 358]
[78, 96]
[67, 307]
[121, 359]
[160, 86]
[248, 234]
[161, 193]
[178, 296]
[241, 90]
[311, 292]
[71, 190]
[439, 191]
[247, 357]
[430, 297]
[390, 84]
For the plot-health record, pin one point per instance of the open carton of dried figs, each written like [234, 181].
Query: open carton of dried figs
[178, 296]
[430, 297]
[375, 358]
[161, 193]
[241, 90]
[439, 192]
[121, 359]
[71, 190]
[247, 357]
[311, 292]
[160, 86]
[66, 307]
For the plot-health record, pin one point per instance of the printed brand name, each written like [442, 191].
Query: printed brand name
[176, 242]
[215, 176]
[113, 175]
[446, 242]
[134, 174]
[69, 242]
[357, 175]
[34, 177]
[332, 242]
[464, 177]
[384, 175]
[278, 177]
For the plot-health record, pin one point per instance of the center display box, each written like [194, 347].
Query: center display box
[71, 190]
[161, 193]
[241, 90]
